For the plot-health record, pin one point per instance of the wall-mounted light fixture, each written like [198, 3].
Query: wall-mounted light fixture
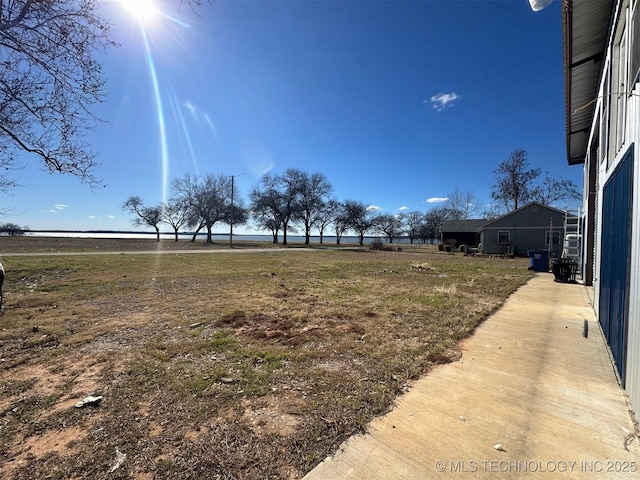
[537, 5]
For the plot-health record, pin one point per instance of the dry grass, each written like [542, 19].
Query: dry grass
[222, 365]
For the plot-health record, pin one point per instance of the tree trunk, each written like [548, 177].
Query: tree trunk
[209, 234]
[176, 234]
[195, 234]
[157, 234]
[361, 239]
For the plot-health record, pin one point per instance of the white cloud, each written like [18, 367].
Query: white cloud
[440, 101]
[59, 206]
[373, 208]
[112, 217]
[403, 208]
[437, 199]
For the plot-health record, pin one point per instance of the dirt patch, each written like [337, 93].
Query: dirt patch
[274, 415]
[64, 443]
[65, 381]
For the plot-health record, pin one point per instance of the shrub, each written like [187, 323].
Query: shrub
[376, 244]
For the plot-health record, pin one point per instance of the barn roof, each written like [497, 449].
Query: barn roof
[460, 226]
[552, 209]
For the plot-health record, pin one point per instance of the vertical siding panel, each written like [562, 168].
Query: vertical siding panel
[616, 264]
[605, 260]
[633, 345]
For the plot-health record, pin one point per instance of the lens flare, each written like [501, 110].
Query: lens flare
[177, 113]
[147, 15]
[161, 121]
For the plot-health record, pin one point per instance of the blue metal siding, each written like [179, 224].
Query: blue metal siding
[616, 254]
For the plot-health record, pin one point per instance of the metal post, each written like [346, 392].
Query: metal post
[231, 223]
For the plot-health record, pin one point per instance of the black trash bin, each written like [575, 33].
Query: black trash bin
[565, 270]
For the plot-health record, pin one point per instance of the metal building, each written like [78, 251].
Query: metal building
[602, 107]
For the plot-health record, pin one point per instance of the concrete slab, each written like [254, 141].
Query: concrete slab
[527, 380]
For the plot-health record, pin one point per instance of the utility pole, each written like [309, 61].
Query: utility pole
[231, 215]
[231, 223]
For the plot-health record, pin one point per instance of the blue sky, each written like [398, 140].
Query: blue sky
[397, 103]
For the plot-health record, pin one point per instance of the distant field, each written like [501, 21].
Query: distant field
[28, 244]
[228, 365]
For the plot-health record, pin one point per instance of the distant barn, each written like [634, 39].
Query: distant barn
[532, 227]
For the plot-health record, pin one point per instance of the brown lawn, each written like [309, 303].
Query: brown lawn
[229, 364]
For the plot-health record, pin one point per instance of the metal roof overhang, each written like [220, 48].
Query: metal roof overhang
[585, 28]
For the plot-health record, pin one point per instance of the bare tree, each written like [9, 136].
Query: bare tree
[461, 205]
[209, 201]
[434, 219]
[186, 190]
[516, 185]
[176, 214]
[492, 212]
[413, 222]
[340, 221]
[312, 192]
[49, 81]
[264, 216]
[144, 216]
[360, 218]
[514, 181]
[266, 205]
[391, 225]
[275, 201]
[326, 216]
[551, 191]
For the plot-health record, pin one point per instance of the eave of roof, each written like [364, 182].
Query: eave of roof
[560, 212]
[462, 226]
[585, 27]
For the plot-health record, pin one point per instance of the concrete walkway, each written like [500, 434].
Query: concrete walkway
[529, 381]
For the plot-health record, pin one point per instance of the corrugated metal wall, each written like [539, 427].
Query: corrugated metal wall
[617, 227]
[633, 337]
[615, 269]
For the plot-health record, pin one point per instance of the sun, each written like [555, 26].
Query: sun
[141, 9]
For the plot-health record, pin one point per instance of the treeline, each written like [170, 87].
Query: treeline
[12, 230]
[300, 201]
[295, 201]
